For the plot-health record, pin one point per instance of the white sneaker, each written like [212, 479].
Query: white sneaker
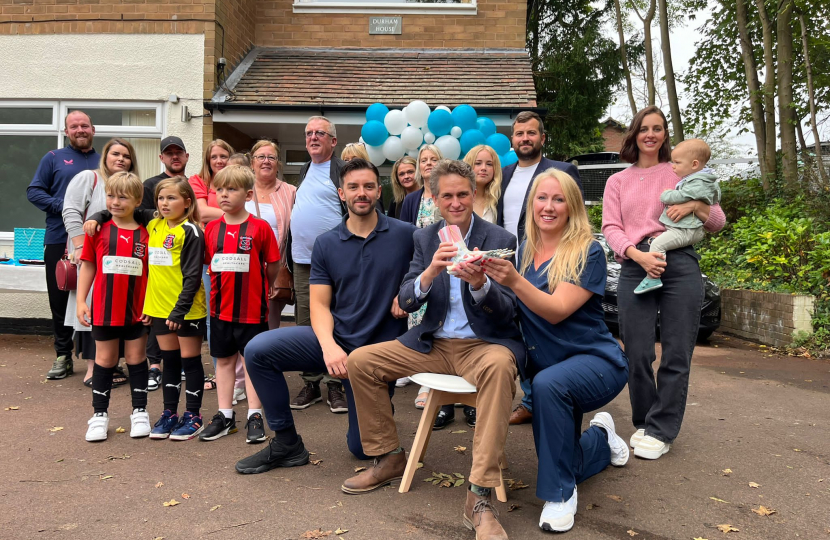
[98, 425]
[650, 448]
[400, 383]
[238, 395]
[619, 451]
[558, 516]
[139, 424]
[637, 437]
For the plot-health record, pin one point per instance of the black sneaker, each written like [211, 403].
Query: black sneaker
[443, 419]
[276, 454]
[337, 399]
[256, 429]
[153, 379]
[309, 395]
[218, 427]
[470, 415]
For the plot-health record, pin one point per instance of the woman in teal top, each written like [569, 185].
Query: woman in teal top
[575, 364]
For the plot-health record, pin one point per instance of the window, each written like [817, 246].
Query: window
[29, 129]
[390, 7]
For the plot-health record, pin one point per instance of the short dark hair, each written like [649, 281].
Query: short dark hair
[630, 152]
[359, 164]
[527, 116]
[446, 167]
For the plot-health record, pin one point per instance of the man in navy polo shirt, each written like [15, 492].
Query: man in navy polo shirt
[56, 170]
[366, 252]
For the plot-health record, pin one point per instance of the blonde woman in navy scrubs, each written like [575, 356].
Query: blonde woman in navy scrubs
[575, 364]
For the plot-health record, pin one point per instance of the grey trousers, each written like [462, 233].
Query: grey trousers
[675, 238]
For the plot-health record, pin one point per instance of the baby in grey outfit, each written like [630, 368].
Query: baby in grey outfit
[697, 183]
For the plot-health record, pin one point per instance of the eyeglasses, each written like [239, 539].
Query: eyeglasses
[318, 133]
[261, 158]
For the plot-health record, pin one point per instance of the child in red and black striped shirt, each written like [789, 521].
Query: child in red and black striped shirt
[242, 253]
[116, 260]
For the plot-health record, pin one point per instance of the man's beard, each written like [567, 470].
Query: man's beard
[533, 153]
[86, 145]
[353, 208]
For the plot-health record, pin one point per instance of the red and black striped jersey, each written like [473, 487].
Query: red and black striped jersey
[120, 258]
[238, 282]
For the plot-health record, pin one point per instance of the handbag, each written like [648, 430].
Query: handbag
[66, 273]
[284, 285]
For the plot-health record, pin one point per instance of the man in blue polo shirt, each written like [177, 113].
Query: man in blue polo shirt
[56, 170]
[366, 252]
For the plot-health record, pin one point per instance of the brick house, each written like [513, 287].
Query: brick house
[612, 134]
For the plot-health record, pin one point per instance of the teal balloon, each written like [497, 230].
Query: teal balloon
[486, 126]
[374, 133]
[509, 158]
[376, 111]
[464, 117]
[439, 122]
[499, 142]
[470, 139]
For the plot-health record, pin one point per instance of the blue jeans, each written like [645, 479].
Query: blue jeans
[562, 393]
[527, 388]
[269, 355]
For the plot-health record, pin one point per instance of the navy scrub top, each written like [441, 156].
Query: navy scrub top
[584, 332]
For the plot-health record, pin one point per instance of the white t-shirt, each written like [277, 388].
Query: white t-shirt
[316, 210]
[514, 197]
[266, 212]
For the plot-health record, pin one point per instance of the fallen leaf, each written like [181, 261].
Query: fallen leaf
[764, 511]
[632, 533]
[358, 469]
[159, 484]
[726, 528]
[119, 429]
[513, 485]
[107, 477]
[513, 507]
[30, 397]
[719, 500]
[312, 453]
[185, 496]
[341, 531]
[316, 461]
[420, 465]
[459, 431]
[458, 475]
[727, 472]
[615, 498]
[217, 507]
[12, 408]
[158, 538]
[171, 502]
[796, 450]
[459, 482]
[460, 449]
[699, 538]
[754, 485]
[54, 429]
[316, 533]
[61, 459]
[591, 506]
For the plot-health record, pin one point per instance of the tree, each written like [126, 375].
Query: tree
[668, 68]
[624, 58]
[646, 18]
[786, 108]
[811, 97]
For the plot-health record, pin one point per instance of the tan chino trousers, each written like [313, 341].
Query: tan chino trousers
[491, 368]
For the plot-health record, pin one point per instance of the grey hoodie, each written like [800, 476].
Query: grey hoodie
[700, 186]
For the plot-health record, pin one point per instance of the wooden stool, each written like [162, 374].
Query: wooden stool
[443, 390]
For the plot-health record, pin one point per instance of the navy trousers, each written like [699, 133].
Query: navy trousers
[561, 394]
[270, 354]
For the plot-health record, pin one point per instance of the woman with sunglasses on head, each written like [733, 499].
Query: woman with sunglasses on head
[403, 183]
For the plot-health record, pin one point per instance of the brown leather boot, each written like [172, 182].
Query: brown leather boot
[481, 517]
[383, 472]
[520, 415]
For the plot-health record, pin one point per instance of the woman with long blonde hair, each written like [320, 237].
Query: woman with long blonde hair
[418, 207]
[486, 166]
[574, 362]
[403, 183]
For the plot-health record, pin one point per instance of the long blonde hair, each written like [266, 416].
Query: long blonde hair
[180, 184]
[492, 191]
[103, 171]
[432, 148]
[398, 192]
[207, 173]
[571, 254]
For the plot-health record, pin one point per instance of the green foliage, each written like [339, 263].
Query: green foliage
[595, 216]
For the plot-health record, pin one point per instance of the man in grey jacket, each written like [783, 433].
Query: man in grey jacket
[469, 329]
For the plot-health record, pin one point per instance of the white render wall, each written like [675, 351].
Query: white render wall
[112, 67]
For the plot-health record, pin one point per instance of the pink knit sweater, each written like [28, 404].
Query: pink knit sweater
[631, 206]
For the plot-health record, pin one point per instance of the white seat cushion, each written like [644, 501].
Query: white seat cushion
[445, 383]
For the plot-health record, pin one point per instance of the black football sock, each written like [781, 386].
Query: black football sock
[101, 387]
[194, 373]
[171, 379]
[139, 374]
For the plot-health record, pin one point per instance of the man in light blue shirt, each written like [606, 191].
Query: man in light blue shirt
[317, 209]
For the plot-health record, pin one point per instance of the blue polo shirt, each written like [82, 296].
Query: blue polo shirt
[584, 332]
[365, 275]
[46, 191]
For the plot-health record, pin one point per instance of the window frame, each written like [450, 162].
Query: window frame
[57, 127]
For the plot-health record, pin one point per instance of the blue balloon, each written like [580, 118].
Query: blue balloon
[376, 111]
[464, 117]
[486, 126]
[509, 158]
[470, 139]
[439, 122]
[374, 133]
[499, 142]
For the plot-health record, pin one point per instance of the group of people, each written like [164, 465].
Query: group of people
[375, 300]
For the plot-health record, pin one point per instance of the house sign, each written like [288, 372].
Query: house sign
[385, 25]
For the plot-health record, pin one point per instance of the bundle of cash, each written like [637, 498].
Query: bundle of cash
[452, 234]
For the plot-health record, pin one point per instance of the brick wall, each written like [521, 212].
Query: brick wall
[613, 138]
[498, 24]
[769, 318]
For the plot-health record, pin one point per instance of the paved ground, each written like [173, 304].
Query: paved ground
[765, 418]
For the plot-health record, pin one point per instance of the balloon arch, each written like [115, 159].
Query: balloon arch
[389, 135]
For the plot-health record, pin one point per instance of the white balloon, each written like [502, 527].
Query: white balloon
[376, 155]
[394, 121]
[417, 113]
[413, 153]
[443, 108]
[455, 132]
[411, 137]
[449, 146]
[429, 138]
[393, 149]
[360, 140]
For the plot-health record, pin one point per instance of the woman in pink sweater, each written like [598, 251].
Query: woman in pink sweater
[630, 219]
